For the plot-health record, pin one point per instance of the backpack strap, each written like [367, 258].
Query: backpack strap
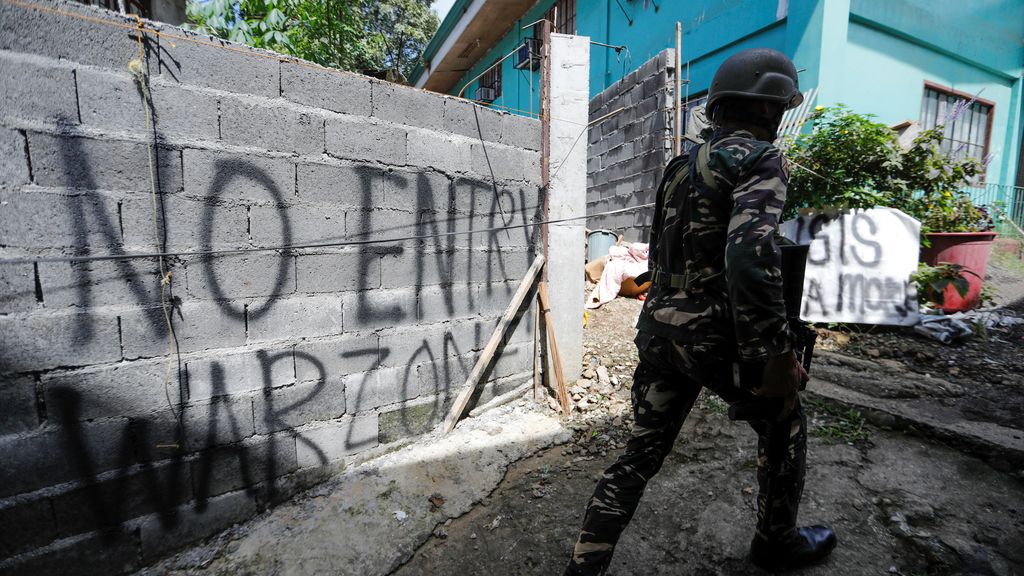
[703, 166]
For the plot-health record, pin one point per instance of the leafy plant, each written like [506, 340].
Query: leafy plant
[844, 425]
[932, 281]
[851, 161]
[355, 35]
[845, 162]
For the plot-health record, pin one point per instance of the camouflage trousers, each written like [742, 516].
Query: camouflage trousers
[666, 384]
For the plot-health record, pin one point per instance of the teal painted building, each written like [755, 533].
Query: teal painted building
[897, 59]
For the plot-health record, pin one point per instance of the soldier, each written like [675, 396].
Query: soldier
[716, 311]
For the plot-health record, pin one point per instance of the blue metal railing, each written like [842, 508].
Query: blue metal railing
[1004, 202]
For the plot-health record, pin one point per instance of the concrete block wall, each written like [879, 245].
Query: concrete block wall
[118, 446]
[628, 152]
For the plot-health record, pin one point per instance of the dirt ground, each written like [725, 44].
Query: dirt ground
[901, 503]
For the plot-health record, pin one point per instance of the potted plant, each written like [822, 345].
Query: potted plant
[957, 236]
[849, 161]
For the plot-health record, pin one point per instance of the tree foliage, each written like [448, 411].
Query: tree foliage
[356, 35]
[851, 161]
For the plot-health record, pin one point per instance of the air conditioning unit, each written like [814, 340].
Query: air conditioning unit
[486, 94]
[528, 55]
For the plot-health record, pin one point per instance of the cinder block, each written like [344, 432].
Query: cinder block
[91, 164]
[17, 288]
[113, 551]
[112, 101]
[515, 358]
[347, 269]
[13, 158]
[40, 341]
[328, 88]
[34, 218]
[370, 310]
[26, 525]
[423, 190]
[37, 89]
[399, 348]
[406, 105]
[18, 402]
[472, 120]
[505, 163]
[439, 303]
[204, 425]
[108, 503]
[380, 224]
[296, 225]
[194, 522]
[520, 132]
[297, 317]
[380, 387]
[441, 152]
[244, 276]
[243, 465]
[416, 266]
[342, 186]
[31, 31]
[184, 223]
[101, 283]
[210, 175]
[294, 406]
[68, 450]
[331, 442]
[370, 141]
[123, 389]
[198, 325]
[238, 373]
[445, 376]
[510, 263]
[495, 297]
[330, 360]
[278, 127]
[413, 419]
[204, 62]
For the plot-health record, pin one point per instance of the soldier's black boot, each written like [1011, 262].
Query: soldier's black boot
[779, 544]
[798, 547]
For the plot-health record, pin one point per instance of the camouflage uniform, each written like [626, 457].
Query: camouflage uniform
[716, 306]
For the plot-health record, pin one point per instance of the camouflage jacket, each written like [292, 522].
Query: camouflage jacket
[722, 242]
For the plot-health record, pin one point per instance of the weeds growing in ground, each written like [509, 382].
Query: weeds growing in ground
[715, 406]
[839, 425]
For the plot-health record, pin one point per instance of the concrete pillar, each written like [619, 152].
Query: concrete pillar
[567, 194]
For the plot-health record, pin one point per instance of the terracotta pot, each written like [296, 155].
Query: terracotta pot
[968, 249]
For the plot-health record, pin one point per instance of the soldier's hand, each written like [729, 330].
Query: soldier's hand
[782, 378]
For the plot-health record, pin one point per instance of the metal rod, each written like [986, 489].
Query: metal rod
[677, 142]
[616, 48]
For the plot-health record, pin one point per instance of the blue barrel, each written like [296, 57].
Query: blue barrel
[598, 243]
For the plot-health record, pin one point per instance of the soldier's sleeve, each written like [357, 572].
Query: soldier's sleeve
[753, 264]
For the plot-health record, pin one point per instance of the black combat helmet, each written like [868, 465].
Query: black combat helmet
[760, 73]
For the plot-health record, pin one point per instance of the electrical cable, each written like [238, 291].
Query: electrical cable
[310, 246]
[173, 348]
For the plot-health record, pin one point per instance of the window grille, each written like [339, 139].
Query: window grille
[492, 79]
[563, 16]
[967, 120]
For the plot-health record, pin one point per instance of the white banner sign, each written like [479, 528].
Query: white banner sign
[858, 266]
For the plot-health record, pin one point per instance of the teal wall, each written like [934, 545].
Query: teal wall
[873, 55]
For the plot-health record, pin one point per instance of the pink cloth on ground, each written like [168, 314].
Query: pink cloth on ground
[624, 262]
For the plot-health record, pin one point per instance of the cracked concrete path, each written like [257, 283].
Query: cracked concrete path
[901, 505]
[372, 517]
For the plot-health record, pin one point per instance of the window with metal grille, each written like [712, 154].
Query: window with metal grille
[492, 79]
[967, 120]
[563, 16]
